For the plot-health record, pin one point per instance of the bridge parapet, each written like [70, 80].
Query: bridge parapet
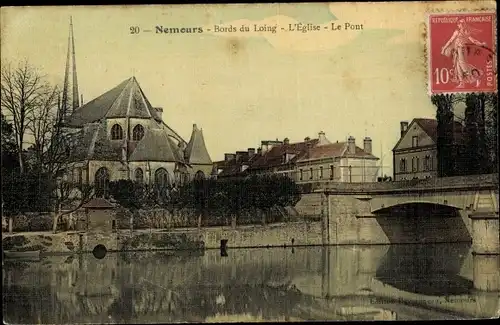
[485, 181]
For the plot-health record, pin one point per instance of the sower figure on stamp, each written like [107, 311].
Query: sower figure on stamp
[457, 47]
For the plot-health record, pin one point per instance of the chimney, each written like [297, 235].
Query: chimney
[81, 101]
[367, 145]
[322, 140]
[229, 156]
[264, 145]
[251, 152]
[404, 127]
[259, 151]
[286, 141]
[351, 145]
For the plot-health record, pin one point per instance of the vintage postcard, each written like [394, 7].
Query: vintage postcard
[250, 162]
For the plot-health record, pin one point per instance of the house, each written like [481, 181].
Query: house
[338, 162]
[311, 160]
[99, 215]
[234, 164]
[415, 153]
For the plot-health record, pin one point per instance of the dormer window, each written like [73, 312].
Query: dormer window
[116, 132]
[137, 132]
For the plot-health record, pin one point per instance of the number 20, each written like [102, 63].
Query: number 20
[134, 29]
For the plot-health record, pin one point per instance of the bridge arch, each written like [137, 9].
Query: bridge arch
[438, 202]
[418, 208]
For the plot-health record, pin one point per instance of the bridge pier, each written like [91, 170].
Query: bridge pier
[485, 232]
[486, 250]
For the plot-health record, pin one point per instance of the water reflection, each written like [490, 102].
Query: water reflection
[316, 283]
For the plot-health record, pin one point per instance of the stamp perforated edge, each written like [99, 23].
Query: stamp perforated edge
[427, 56]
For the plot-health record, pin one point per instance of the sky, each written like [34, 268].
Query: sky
[244, 87]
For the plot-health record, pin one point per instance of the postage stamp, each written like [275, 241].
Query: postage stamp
[462, 52]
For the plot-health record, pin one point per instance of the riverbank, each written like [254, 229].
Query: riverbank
[271, 235]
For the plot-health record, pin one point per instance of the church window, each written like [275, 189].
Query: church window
[331, 172]
[102, 182]
[116, 132]
[321, 172]
[199, 175]
[311, 176]
[139, 175]
[161, 177]
[137, 132]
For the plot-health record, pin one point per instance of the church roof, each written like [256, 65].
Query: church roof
[196, 150]
[93, 143]
[156, 145]
[125, 100]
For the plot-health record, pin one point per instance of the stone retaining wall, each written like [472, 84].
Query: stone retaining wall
[302, 233]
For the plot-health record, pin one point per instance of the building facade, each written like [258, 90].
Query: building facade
[415, 153]
[120, 135]
[309, 161]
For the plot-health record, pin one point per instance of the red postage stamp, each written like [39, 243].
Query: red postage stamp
[462, 52]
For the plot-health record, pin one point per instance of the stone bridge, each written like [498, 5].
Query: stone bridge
[450, 209]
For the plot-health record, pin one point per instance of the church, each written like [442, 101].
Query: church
[120, 135]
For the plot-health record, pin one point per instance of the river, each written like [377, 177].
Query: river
[407, 282]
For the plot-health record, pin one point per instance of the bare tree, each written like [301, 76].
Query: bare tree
[21, 91]
[34, 107]
[44, 126]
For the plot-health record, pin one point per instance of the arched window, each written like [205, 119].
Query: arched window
[137, 132]
[116, 132]
[161, 177]
[139, 175]
[102, 182]
[199, 175]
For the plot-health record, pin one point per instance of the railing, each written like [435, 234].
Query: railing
[485, 181]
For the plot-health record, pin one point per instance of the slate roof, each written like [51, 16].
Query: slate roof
[196, 150]
[274, 156]
[430, 127]
[93, 143]
[338, 149]
[98, 203]
[324, 151]
[156, 145]
[125, 100]
[234, 166]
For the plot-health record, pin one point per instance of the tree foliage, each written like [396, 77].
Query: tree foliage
[231, 196]
[475, 150]
[210, 198]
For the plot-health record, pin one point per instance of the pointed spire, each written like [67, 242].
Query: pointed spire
[70, 101]
[196, 151]
[75, 79]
